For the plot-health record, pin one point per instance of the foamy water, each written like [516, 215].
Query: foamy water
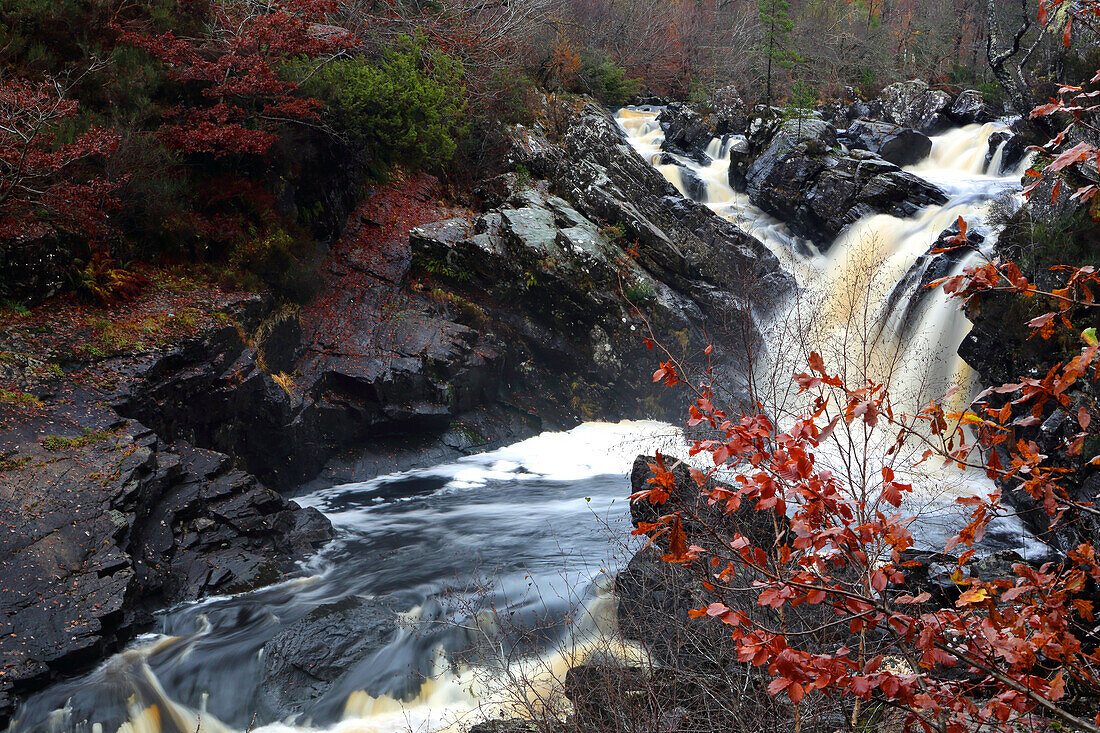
[856, 307]
[491, 570]
[491, 574]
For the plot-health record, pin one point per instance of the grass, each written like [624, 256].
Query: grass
[466, 311]
[640, 293]
[22, 399]
[11, 309]
[8, 462]
[57, 442]
[285, 382]
[117, 337]
[31, 365]
[438, 268]
[613, 232]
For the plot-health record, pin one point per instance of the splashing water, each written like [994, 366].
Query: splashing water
[475, 585]
[482, 582]
[860, 305]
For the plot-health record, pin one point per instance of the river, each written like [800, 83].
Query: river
[467, 589]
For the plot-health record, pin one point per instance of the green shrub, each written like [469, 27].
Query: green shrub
[22, 399]
[1038, 244]
[275, 258]
[640, 293]
[409, 107]
[57, 442]
[605, 80]
[12, 309]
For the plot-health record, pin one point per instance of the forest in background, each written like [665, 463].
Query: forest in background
[239, 132]
[228, 141]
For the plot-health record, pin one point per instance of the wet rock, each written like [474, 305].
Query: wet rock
[929, 572]
[844, 111]
[107, 524]
[914, 104]
[687, 133]
[1013, 152]
[931, 266]
[803, 178]
[899, 193]
[898, 145]
[303, 660]
[730, 113]
[971, 107]
[655, 596]
[694, 659]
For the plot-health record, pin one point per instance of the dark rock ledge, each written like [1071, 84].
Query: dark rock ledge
[102, 524]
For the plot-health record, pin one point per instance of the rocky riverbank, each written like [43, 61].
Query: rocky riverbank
[135, 465]
[138, 442]
[106, 522]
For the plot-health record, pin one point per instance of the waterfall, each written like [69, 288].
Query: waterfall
[859, 304]
[413, 549]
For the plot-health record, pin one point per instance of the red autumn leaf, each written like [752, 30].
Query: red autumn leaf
[677, 543]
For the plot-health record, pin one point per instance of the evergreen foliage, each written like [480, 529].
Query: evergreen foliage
[410, 107]
[775, 44]
[606, 81]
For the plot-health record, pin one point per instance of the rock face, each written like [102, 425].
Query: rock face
[686, 132]
[805, 179]
[913, 104]
[482, 327]
[1002, 349]
[898, 145]
[1013, 152]
[108, 523]
[971, 107]
[697, 658]
[731, 114]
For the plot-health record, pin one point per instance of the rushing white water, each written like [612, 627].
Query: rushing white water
[484, 579]
[478, 583]
[858, 305]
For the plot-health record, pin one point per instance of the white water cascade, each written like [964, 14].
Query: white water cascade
[517, 545]
[859, 305]
[492, 574]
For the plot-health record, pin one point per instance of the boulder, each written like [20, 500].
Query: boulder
[914, 104]
[849, 108]
[971, 107]
[803, 178]
[730, 113]
[687, 133]
[930, 266]
[682, 244]
[898, 145]
[1013, 149]
[304, 659]
[655, 596]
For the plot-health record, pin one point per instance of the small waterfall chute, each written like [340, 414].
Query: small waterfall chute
[859, 305]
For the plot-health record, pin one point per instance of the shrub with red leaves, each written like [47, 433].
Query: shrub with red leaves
[45, 184]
